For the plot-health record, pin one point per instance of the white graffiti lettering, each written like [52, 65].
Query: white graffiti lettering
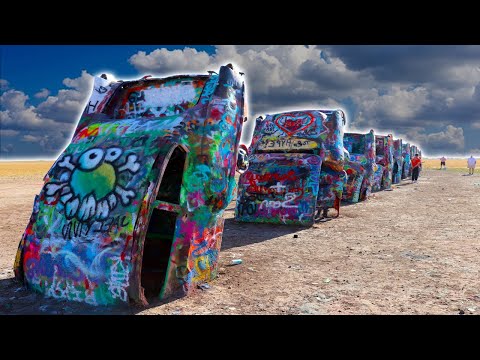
[118, 280]
[289, 198]
[278, 188]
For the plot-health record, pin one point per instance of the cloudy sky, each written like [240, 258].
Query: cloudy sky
[428, 95]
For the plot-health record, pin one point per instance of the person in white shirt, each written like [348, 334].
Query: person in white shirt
[471, 162]
[442, 163]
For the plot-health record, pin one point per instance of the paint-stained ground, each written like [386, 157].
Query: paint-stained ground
[413, 250]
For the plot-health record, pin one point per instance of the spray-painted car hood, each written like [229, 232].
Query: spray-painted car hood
[78, 244]
[95, 190]
[280, 187]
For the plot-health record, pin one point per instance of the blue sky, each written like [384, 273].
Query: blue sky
[428, 95]
[34, 67]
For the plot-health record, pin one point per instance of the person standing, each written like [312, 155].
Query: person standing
[416, 163]
[442, 163]
[471, 162]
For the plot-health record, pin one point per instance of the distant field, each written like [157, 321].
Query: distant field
[453, 164]
[22, 168]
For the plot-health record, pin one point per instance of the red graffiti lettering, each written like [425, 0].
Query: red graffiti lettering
[252, 178]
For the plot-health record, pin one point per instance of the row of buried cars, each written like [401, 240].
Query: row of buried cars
[132, 209]
[302, 163]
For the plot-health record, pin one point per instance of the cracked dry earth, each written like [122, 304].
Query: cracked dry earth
[413, 250]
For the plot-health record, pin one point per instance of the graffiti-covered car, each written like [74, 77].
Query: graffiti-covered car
[407, 166]
[132, 209]
[360, 165]
[295, 170]
[397, 161]
[384, 161]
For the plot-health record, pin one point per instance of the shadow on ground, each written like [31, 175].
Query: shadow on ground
[238, 234]
[407, 183]
[16, 299]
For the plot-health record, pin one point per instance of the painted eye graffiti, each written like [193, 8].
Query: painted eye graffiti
[113, 154]
[91, 159]
[91, 188]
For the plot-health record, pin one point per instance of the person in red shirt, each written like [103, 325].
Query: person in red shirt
[416, 163]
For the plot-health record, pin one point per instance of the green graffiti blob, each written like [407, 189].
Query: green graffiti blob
[99, 182]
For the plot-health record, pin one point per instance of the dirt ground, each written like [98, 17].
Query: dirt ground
[413, 250]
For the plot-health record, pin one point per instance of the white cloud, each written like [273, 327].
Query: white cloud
[449, 140]
[281, 76]
[31, 138]
[8, 148]
[165, 61]
[19, 115]
[452, 136]
[4, 132]
[42, 94]
[476, 124]
[395, 105]
[464, 75]
[69, 103]
[49, 142]
[13, 100]
[3, 85]
[52, 121]
[272, 70]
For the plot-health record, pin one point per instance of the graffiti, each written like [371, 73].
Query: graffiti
[331, 187]
[406, 170]
[149, 159]
[242, 159]
[292, 124]
[92, 106]
[269, 128]
[62, 289]
[247, 207]
[384, 160]
[170, 98]
[286, 144]
[252, 177]
[77, 229]
[133, 208]
[90, 188]
[273, 196]
[101, 89]
[209, 89]
[118, 281]
[295, 168]
[360, 166]
[261, 192]
[397, 161]
[287, 203]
